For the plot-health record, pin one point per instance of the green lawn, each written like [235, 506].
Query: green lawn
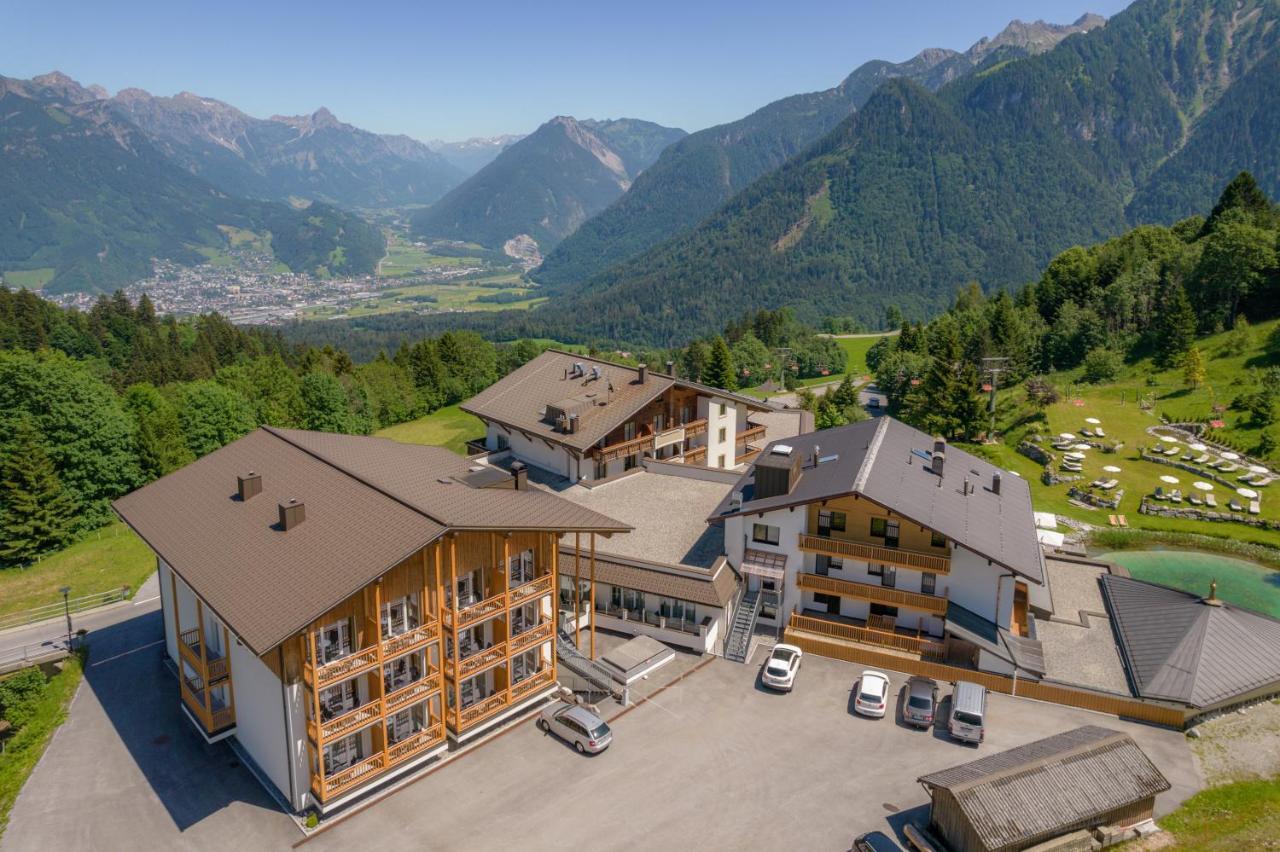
[106, 559]
[23, 750]
[1242, 815]
[459, 296]
[32, 279]
[448, 427]
[856, 349]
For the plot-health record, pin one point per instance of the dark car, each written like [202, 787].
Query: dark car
[875, 841]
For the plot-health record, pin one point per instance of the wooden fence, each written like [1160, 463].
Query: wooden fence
[1115, 705]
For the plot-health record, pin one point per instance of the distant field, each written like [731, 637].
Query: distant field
[856, 348]
[32, 279]
[449, 297]
[406, 259]
[448, 427]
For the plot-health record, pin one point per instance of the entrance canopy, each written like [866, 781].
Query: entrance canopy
[762, 563]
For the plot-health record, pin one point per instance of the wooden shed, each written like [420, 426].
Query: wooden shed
[1079, 779]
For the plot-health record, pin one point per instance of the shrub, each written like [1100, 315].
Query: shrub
[1101, 365]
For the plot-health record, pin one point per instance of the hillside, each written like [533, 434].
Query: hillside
[86, 201]
[471, 155]
[313, 157]
[548, 183]
[985, 180]
[697, 175]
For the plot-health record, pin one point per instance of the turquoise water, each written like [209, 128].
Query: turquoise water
[1242, 583]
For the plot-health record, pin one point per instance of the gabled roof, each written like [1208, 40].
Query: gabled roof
[1177, 647]
[1022, 796]
[886, 461]
[369, 504]
[519, 400]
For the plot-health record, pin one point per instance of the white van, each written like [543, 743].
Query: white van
[967, 720]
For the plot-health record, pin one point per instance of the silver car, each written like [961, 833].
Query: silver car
[576, 724]
[920, 702]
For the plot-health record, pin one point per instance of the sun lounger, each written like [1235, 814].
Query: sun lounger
[1097, 483]
[1254, 507]
[1230, 467]
[1200, 459]
[1176, 495]
[1109, 484]
[1235, 506]
[1099, 432]
[1210, 501]
[1113, 520]
[1264, 481]
[1124, 522]
[1195, 501]
[1172, 451]
[1072, 468]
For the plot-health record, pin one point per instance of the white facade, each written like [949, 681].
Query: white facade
[722, 430]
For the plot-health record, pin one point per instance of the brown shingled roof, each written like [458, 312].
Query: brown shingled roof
[370, 503]
[520, 399]
[713, 587]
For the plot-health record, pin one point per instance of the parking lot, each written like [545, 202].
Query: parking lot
[712, 761]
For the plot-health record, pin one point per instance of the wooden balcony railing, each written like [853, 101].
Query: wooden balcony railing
[623, 448]
[694, 428]
[413, 693]
[217, 719]
[532, 684]
[697, 455]
[477, 662]
[467, 616]
[874, 553]
[340, 782]
[750, 434]
[394, 646]
[218, 668]
[926, 648]
[531, 637]
[937, 605]
[482, 709]
[415, 744]
[345, 667]
[533, 589]
[352, 720]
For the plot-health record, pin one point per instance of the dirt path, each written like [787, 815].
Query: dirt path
[1241, 745]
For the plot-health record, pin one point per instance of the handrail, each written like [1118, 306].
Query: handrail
[936, 604]
[415, 743]
[413, 692]
[694, 428]
[749, 433]
[394, 646]
[622, 448]
[531, 637]
[477, 612]
[531, 683]
[481, 709]
[352, 775]
[533, 589]
[54, 610]
[853, 633]
[353, 719]
[478, 661]
[346, 666]
[874, 553]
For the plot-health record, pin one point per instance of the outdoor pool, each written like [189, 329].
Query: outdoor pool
[1245, 584]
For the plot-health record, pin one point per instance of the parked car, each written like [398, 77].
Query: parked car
[968, 719]
[872, 694]
[576, 724]
[920, 702]
[781, 667]
[875, 841]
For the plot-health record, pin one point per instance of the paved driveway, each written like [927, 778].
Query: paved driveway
[711, 762]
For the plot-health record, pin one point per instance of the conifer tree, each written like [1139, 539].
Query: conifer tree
[718, 371]
[1193, 368]
[35, 513]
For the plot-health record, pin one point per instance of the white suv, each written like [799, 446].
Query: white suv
[872, 694]
[781, 667]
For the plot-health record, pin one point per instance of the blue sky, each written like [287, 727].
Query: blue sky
[455, 70]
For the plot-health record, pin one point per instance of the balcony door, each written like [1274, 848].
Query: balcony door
[400, 615]
[402, 671]
[467, 590]
[520, 568]
[342, 754]
[338, 699]
[891, 534]
[333, 641]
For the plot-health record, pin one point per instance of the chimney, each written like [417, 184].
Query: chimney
[995, 483]
[292, 513]
[520, 474]
[644, 373]
[573, 424]
[671, 368]
[939, 458]
[249, 485]
[817, 454]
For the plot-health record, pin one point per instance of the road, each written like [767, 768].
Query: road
[52, 634]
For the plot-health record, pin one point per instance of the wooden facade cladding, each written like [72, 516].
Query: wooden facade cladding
[897, 556]
[924, 648]
[933, 604]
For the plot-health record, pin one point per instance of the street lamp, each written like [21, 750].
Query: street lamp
[66, 607]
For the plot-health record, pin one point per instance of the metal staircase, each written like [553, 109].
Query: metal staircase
[743, 628]
[582, 674]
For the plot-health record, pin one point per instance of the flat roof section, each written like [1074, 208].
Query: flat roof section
[632, 661]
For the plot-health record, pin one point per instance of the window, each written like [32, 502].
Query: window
[630, 462]
[686, 414]
[888, 576]
[928, 583]
[524, 665]
[628, 431]
[824, 564]
[890, 533]
[524, 618]
[723, 409]
[721, 460]
[876, 570]
[402, 671]
[520, 568]
[501, 442]
[878, 527]
[345, 752]
[829, 604]
[333, 641]
[828, 521]
[406, 723]
[765, 534]
[937, 539]
[723, 435]
[400, 615]
[659, 422]
[886, 611]
[338, 699]
[602, 469]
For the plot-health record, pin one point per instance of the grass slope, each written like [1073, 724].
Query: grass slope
[448, 427]
[107, 559]
[1243, 815]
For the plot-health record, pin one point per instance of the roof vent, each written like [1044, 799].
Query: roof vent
[595, 371]
[781, 450]
[292, 513]
[995, 483]
[578, 370]
[249, 485]
[939, 458]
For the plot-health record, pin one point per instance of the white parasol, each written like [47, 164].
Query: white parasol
[1066, 436]
[1168, 439]
[1081, 447]
[1231, 456]
[1172, 480]
[1257, 468]
[1203, 486]
[1092, 421]
[1247, 492]
[1111, 469]
[1199, 448]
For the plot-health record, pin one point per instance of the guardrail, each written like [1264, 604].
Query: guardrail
[54, 610]
[21, 656]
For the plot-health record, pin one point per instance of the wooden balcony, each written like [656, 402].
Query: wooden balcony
[477, 662]
[416, 744]
[482, 710]
[896, 556]
[697, 455]
[352, 776]
[533, 589]
[532, 637]
[694, 428]
[402, 643]
[623, 448]
[474, 614]
[750, 434]
[213, 721]
[347, 723]
[417, 691]
[925, 648]
[532, 684]
[345, 667]
[933, 604]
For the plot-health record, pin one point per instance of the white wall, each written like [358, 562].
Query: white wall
[166, 604]
[534, 451]
[737, 537]
[709, 408]
[973, 584]
[260, 726]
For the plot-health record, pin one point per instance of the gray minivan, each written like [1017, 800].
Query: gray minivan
[967, 721]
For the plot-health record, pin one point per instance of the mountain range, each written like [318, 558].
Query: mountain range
[471, 155]
[548, 183]
[704, 170]
[87, 199]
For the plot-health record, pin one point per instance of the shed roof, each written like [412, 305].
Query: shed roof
[1027, 794]
[369, 504]
[887, 462]
[1176, 647]
[710, 587]
[520, 399]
